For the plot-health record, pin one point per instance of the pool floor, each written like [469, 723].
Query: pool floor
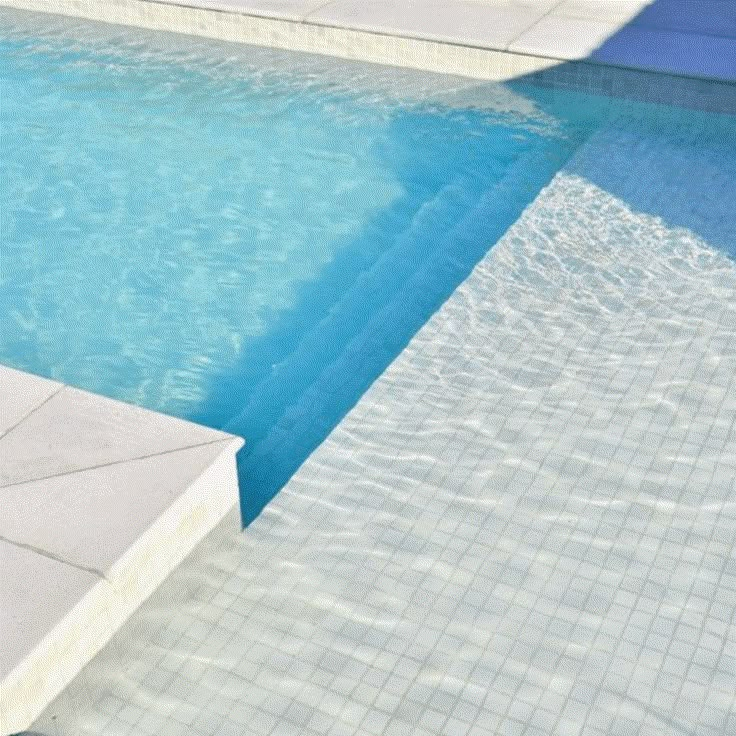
[524, 527]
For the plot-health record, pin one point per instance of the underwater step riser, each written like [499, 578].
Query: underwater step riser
[274, 458]
[370, 291]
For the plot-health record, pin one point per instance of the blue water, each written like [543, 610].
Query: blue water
[237, 237]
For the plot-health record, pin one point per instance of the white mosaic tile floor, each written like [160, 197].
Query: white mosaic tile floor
[525, 527]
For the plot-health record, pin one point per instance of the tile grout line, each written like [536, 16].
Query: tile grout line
[32, 411]
[529, 27]
[321, 6]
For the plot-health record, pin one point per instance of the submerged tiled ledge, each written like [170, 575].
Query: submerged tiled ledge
[100, 501]
[494, 40]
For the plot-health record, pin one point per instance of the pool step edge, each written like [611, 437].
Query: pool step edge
[456, 253]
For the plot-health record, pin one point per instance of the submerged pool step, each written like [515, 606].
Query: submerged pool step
[371, 289]
[384, 332]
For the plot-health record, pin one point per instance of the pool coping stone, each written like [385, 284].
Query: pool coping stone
[101, 501]
[495, 40]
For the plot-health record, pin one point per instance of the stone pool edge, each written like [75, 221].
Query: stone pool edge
[303, 36]
[54, 638]
[470, 60]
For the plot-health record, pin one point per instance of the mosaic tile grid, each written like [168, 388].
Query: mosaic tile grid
[525, 527]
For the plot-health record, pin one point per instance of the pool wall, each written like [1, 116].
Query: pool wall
[298, 36]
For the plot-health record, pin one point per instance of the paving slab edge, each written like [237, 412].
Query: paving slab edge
[65, 650]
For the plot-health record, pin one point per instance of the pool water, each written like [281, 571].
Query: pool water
[243, 238]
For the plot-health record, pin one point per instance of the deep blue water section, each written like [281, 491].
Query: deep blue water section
[238, 237]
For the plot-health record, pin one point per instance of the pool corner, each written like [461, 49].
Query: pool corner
[102, 501]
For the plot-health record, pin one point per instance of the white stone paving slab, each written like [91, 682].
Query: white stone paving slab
[36, 593]
[563, 38]
[21, 394]
[90, 518]
[604, 11]
[99, 502]
[272, 32]
[466, 22]
[286, 9]
[526, 525]
[105, 432]
[539, 6]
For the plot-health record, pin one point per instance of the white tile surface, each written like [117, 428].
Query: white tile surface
[473, 23]
[563, 38]
[21, 394]
[526, 524]
[75, 430]
[92, 517]
[539, 6]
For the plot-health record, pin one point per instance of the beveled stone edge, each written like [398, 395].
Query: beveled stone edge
[33, 684]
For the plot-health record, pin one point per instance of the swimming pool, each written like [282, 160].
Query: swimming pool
[247, 242]
[524, 526]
